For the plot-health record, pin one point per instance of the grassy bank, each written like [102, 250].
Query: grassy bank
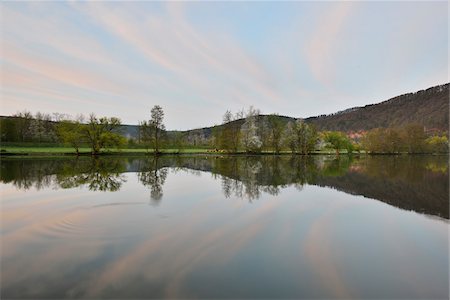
[50, 151]
[84, 151]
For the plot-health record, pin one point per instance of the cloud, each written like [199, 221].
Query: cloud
[321, 49]
[122, 58]
[210, 65]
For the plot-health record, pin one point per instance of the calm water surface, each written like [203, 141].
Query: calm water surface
[225, 227]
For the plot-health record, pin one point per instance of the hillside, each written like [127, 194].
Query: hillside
[428, 107]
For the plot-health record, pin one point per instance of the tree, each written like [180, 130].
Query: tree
[231, 132]
[276, 127]
[249, 132]
[393, 140]
[157, 126]
[71, 133]
[37, 128]
[151, 132]
[8, 129]
[414, 137]
[437, 144]
[337, 140]
[145, 133]
[23, 124]
[289, 138]
[300, 137]
[41, 128]
[178, 141]
[305, 137]
[264, 132]
[373, 140]
[102, 132]
[215, 137]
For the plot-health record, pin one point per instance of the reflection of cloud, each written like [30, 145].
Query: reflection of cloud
[319, 251]
[173, 265]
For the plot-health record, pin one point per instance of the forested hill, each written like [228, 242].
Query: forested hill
[428, 107]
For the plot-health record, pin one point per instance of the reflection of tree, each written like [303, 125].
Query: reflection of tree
[153, 176]
[98, 174]
[337, 166]
[25, 174]
[419, 183]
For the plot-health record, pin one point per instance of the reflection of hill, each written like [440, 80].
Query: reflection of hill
[405, 182]
[418, 183]
[429, 196]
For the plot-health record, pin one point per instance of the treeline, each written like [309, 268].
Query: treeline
[271, 134]
[26, 127]
[411, 138]
[93, 132]
[240, 132]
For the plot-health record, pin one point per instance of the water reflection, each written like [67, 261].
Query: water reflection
[64, 234]
[153, 176]
[418, 183]
[96, 174]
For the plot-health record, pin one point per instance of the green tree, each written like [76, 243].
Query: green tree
[145, 134]
[23, 124]
[157, 126]
[8, 130]
[178, 141]
[437, 144]
[215, 137]
[393, 140]
[306, 137]
[275, 126]
[373, 141]
[103, 132]
[414, 138]
[289, 137]
[231, 131]
[151, 131]
[71, 133]
[264, 132]
[337, 140]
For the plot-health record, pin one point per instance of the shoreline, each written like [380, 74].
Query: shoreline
[7, 154]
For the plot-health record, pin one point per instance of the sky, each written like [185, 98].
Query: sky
[199, 59]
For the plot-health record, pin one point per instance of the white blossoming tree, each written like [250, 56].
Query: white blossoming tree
[250, 139]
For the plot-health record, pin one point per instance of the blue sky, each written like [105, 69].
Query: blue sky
[198, 59]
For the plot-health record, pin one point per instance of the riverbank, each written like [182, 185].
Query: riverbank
[66, 151]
